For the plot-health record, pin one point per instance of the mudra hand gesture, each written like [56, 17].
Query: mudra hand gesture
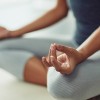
[64, 63]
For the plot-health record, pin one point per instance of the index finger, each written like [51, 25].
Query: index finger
[64, 49]
[45, 63]
[49, 54]
[53, 51]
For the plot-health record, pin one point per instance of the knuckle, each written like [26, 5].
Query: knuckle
[58, 69]
[62, 47]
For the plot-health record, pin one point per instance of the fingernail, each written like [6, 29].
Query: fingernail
[52, 59]
[43, 58]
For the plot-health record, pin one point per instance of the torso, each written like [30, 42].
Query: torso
[87, 14]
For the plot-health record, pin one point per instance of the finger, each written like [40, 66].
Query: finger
[53, 51]
[62, 58]
[49, 54]
[64, 49]
[66, 68]
[55, 63]
[45, 62]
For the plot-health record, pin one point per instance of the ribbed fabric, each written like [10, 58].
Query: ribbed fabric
[13, 61]
[14, 53]
[38, 46]
[82, 84]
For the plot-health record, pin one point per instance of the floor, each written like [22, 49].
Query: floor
[13, 89]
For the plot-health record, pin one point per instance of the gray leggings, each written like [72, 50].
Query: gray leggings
[82, 84]
[15, 52]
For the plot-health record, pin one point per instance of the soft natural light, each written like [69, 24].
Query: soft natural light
[9, 1]
[17, 13]
[34, 1]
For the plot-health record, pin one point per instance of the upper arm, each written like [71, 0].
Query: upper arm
[62, 6]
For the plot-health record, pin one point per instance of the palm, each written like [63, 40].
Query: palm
[65, 63]
[63, 58]
[69, 59]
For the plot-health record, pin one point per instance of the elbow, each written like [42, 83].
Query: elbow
[61, 12]
[64, 13]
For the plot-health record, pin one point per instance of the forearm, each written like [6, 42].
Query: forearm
[91, 45]
[46, 20]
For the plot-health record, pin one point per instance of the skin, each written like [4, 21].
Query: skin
[66, 62]
[35, 71]
[51, 17]
[31, 68]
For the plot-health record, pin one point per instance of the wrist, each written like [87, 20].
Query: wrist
[14, 34]
[82, 54]
[8, 34]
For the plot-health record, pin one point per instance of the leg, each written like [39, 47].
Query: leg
[13, 61]
[82, 84]
[23, 65]
[35, 72]
[39, 46]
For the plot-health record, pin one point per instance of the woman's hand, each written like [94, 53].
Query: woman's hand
[64, 63]
[4, 33]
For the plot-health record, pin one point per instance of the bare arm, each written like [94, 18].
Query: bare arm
[66, 62]
[91, 45]
[50, 18]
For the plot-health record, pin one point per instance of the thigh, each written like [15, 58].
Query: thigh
[82, 84]
[14, 61]
[40, 46]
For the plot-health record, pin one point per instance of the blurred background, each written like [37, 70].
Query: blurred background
[15, 14]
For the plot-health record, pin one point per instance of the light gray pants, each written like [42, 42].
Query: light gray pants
[82, 84]
[15, 52]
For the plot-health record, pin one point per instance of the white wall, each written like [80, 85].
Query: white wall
[17, 13]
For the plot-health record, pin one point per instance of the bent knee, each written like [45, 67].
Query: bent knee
[31, 60]
[56, 86]
[62, 88]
